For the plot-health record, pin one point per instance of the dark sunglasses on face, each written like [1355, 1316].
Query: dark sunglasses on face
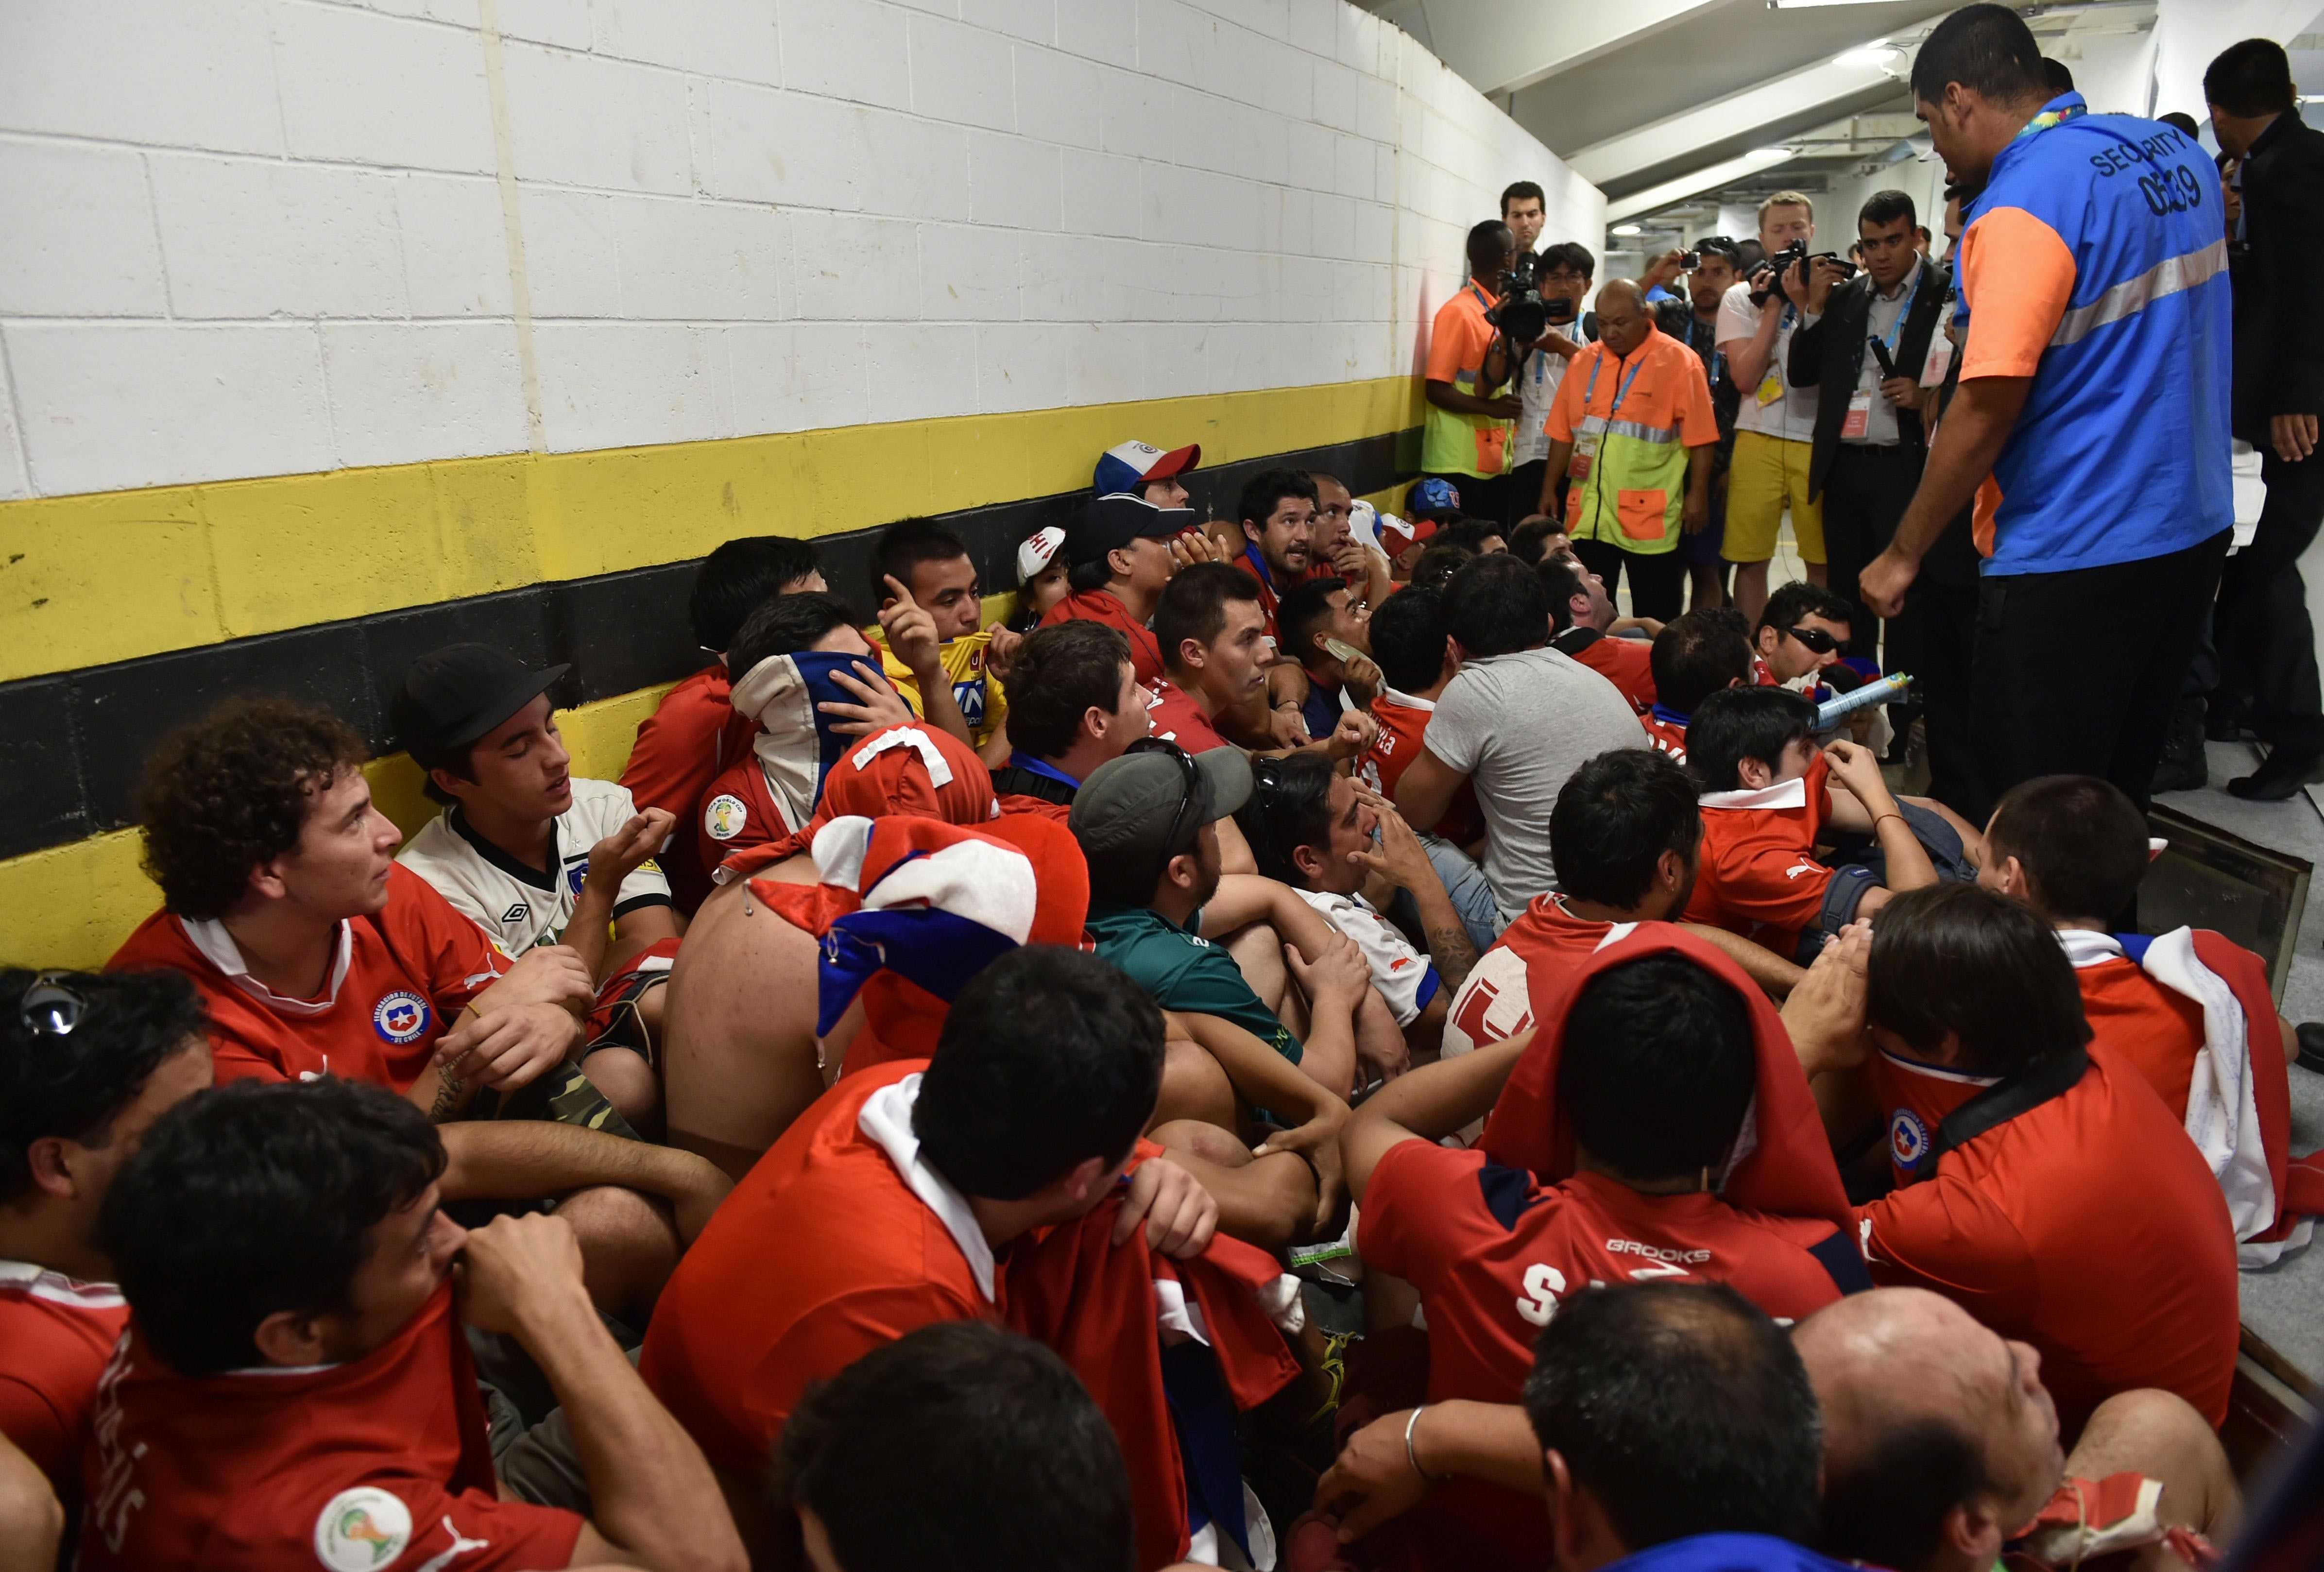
[1815, 639]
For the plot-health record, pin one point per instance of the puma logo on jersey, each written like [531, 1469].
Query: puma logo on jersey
[1796, 869]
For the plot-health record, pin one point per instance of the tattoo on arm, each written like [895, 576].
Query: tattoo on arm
[1453, 951]
[447, 1096]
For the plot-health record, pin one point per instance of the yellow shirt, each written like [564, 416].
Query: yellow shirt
[978, 692]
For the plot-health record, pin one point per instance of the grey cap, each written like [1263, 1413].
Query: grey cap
[1126, 808]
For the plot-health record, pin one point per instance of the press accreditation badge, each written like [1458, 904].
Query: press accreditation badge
[1859, 417]
[1771, 388]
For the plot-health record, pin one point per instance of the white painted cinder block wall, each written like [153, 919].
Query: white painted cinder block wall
[243, 237]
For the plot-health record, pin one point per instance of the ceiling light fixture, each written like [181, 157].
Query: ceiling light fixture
[1871, 54]
[1626, 229]
[1803, 4]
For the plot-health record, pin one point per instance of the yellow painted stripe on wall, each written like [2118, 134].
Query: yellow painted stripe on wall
[111, 575]
[72, 905]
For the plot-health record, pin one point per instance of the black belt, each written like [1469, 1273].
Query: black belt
[2053, 1075]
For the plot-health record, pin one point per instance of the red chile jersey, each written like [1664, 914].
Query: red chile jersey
[55, 1336]
[1758, 875]
[379, 1465]
[399, 980]
[684, 745]
[1178, 718]
[1102, 605]
[1534, 959]
[1665, 734]
[1403, 723]
[1492, 1254]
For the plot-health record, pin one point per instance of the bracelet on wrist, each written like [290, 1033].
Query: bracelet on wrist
[1412, 1456]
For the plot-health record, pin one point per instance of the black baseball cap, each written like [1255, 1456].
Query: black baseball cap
[1111, 522]
[1129, 805]
[453, 695]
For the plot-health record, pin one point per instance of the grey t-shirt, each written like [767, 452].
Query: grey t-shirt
[1517, 725]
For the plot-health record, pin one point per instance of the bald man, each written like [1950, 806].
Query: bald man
[1940, 1441]
[1632, 430]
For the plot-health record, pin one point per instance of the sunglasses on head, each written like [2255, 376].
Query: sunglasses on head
[1815, 639]
[1190, 775]
[49, 1008]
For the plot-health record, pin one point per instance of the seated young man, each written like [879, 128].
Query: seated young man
[1693, 657]
[917, 562]
[1516, 720]
[991, 1437]
[694, 733]
[315, 954]
[1583, 616]
[1494, 1254]
[805, 679]
[1162, 910]
[535, 857]
[2066, 1209]
[87, 1064]
[1277, 510]
[296, 1386]
[1214, 657]
[1317, 614]
[1339, 547]
[1767, 800]
[1121, 553]
[1075, 703]
[1939, 1444]
[2073, 849]
[1627, 834]
[1803, 630]
[1311, 828]
[1412, 646]
[892, 1204]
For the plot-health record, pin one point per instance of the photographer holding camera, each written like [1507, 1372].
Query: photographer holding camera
[1865, 343]
[1465, 438]
[1774, 428]
[1560, 275]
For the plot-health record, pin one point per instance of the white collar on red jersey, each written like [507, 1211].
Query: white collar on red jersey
[1397, 696]
[41, 1283]
[217, 947]
[2085, 948]
[887, 1119]
[1791, 793]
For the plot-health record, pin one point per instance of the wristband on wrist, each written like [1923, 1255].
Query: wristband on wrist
[1878, 818]
[1412, 1456]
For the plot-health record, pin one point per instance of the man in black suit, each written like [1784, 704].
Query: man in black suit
[2267, 649]
[1869, 444]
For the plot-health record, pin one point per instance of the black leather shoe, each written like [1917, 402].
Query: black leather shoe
[2183, 767]
[2279, 779]
[2311, 1045]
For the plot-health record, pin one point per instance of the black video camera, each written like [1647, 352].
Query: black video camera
[1521, 314]
[1783, 261]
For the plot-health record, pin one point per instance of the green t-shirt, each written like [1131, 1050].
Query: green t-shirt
[1182, 971]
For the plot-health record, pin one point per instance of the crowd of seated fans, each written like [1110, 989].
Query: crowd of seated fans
[920, 1114]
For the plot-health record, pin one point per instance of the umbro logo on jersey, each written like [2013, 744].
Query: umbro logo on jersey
[516, 913]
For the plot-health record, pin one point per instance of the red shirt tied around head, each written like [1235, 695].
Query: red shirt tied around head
[1758, 875]
[2088, 1226]
[826, 1251]
[380, 1464]
[55, 1336]
[1178, 718]
[689, 740]
[1493, 1250]
[1102, 605]
[399, 978]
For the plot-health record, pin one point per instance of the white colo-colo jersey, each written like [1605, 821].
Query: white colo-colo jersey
[520, 906]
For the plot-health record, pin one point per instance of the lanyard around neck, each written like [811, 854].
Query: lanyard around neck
[1620, 389]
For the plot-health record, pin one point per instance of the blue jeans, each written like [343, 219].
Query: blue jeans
[1471, 897]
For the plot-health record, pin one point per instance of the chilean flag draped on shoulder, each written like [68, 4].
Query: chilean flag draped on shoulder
[910, 909]
[2239, 1100]
[1782, 1162]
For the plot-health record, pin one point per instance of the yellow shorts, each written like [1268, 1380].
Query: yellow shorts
[1767, 472]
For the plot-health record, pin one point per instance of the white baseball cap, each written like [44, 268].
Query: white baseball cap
[1036, 552]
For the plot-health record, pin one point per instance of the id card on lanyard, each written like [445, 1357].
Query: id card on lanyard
[1859, 403]
[1592, 429]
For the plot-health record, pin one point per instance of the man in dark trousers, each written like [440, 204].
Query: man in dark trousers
[1869, 442]
[2092, 420]
[2267, 649]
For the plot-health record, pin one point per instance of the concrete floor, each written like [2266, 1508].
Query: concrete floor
[2283, 1305]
